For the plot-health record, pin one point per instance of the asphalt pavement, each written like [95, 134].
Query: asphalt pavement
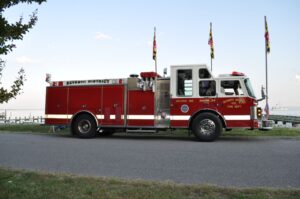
[229, 161]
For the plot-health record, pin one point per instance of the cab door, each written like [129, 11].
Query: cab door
[193, 88]
[183, 89]
[233, 103]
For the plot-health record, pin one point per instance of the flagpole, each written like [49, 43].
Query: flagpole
[267, 50]
[267, 95]
[266, 59]
[210, 64]
[156, 65]
[211, 44]
[266, 56]
[155, 80]
[210, 55]
[154, 40]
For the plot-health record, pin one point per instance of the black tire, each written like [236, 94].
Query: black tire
[84, 126]
[207, 127]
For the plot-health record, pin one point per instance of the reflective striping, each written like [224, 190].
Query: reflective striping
[58, 116]
[180, 117]
[100, 117]
[146, 117]
[159, 117]
[89, 82]
[140, 117]
[237, 117]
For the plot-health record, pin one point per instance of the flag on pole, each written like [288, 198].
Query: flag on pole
[211, 43]
[154, 45]
[267, 38]
[48, 77]
[267, 110]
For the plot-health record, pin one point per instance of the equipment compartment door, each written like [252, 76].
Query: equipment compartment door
[140, 108]
[113, 105]
[162, 103]
[57, 105]
[85, 98]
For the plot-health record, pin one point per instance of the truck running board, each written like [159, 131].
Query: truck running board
[141, 131]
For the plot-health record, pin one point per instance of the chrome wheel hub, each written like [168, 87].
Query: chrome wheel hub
[84, 126]
[207, 127]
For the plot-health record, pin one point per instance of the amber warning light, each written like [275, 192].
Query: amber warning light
[259, 112]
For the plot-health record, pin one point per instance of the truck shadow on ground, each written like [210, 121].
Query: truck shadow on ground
[164, 137]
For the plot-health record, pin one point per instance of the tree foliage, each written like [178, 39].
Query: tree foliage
[9, 32]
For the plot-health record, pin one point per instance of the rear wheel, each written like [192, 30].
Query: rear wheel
[207, 127]
[84, 126]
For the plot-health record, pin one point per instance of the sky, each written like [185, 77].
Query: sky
[97, 39]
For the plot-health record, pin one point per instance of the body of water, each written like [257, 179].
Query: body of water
[13, 113]
[290, 111]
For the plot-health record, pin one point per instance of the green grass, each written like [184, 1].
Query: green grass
[274, 132]
[29, 128]
[31, 185]
[285, 132]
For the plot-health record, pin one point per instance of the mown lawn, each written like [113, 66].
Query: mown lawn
[30, 185]
[15, 184]
[29, 128]
[273, 132]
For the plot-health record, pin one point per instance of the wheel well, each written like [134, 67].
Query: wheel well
[82, 113]
[206, 111]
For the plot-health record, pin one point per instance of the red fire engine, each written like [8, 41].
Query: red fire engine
[191, 98]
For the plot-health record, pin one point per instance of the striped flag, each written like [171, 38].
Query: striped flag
[211, 43]
[267, 109]
[154, 45]
[48, 77]
[267, 38]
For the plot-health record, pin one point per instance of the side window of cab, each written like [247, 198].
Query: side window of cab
[231, 88]
[207, 88]
[204, 74]
[184, 83]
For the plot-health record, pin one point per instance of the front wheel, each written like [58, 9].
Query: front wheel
[84, 126]
[207, 127]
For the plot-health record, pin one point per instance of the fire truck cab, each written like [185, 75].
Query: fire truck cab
[191, 98]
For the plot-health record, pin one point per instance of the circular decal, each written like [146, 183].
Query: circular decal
[184, 108]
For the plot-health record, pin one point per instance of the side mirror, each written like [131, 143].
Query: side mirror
[263, 95]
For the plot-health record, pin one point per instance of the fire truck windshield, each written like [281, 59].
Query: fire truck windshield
[249, 88]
